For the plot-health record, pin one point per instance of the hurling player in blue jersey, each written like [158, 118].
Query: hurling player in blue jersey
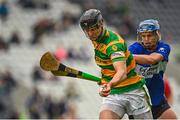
[151, 55]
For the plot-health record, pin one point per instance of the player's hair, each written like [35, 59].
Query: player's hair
[156, 33]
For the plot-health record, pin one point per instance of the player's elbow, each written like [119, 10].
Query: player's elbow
[124, 76]
[151, 61]
[123, 72]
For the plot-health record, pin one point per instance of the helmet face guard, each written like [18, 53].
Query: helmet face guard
[90, 23]
[96, 32]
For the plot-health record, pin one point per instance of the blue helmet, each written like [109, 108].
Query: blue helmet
[148, 26]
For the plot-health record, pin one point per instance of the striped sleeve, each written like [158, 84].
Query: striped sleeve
[116, 52]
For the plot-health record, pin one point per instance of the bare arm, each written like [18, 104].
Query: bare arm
[121, 74]
[148, 59]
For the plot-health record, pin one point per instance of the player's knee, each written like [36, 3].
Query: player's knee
[107, 114]
[168, 114]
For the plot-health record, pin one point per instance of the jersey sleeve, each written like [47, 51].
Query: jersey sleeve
[116, 52]
[164, 50]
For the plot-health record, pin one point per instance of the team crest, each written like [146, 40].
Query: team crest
[101, 47]
[114, 47]
[161, 49]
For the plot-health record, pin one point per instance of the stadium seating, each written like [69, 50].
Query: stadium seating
[21, 59]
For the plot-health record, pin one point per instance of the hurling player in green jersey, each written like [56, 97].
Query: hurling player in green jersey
[123, 91]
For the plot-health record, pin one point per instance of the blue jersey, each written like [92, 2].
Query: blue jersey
[153, 73]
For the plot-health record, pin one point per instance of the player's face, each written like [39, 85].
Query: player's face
[149, 40]
[93, 33]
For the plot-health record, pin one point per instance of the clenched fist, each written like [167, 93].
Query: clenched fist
[104, 90]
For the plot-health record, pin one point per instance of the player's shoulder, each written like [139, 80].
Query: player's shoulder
[136, 48]
[164, 44]
[114, 37]
[136, 45]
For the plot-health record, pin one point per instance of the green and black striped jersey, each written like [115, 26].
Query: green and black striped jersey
[111, 48]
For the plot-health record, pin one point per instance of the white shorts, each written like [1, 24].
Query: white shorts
[134, 103]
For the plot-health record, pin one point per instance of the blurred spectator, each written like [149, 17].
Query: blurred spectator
[37, 74]
[3, 45]
[32, 4]
[71, 91]
[128, 29]
[26, 3]
[3, 111]
[119, 8]
[4, 10]
[10, 82]
[48, 106]
[41, 27]
[71, 53]
[35, 104]
[7, 83]
[55, 110]
[63, 108]
[81, 54]
[88, 4]
[66, 20]
[15, 38]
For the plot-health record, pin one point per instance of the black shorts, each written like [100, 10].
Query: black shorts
[157, 110]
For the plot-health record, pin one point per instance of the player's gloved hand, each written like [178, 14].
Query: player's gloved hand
[104, 90]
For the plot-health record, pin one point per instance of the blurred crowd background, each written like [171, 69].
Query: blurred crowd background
[29, 28]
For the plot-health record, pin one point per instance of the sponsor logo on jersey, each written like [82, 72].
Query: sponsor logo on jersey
[161, 49]
[149, 72]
